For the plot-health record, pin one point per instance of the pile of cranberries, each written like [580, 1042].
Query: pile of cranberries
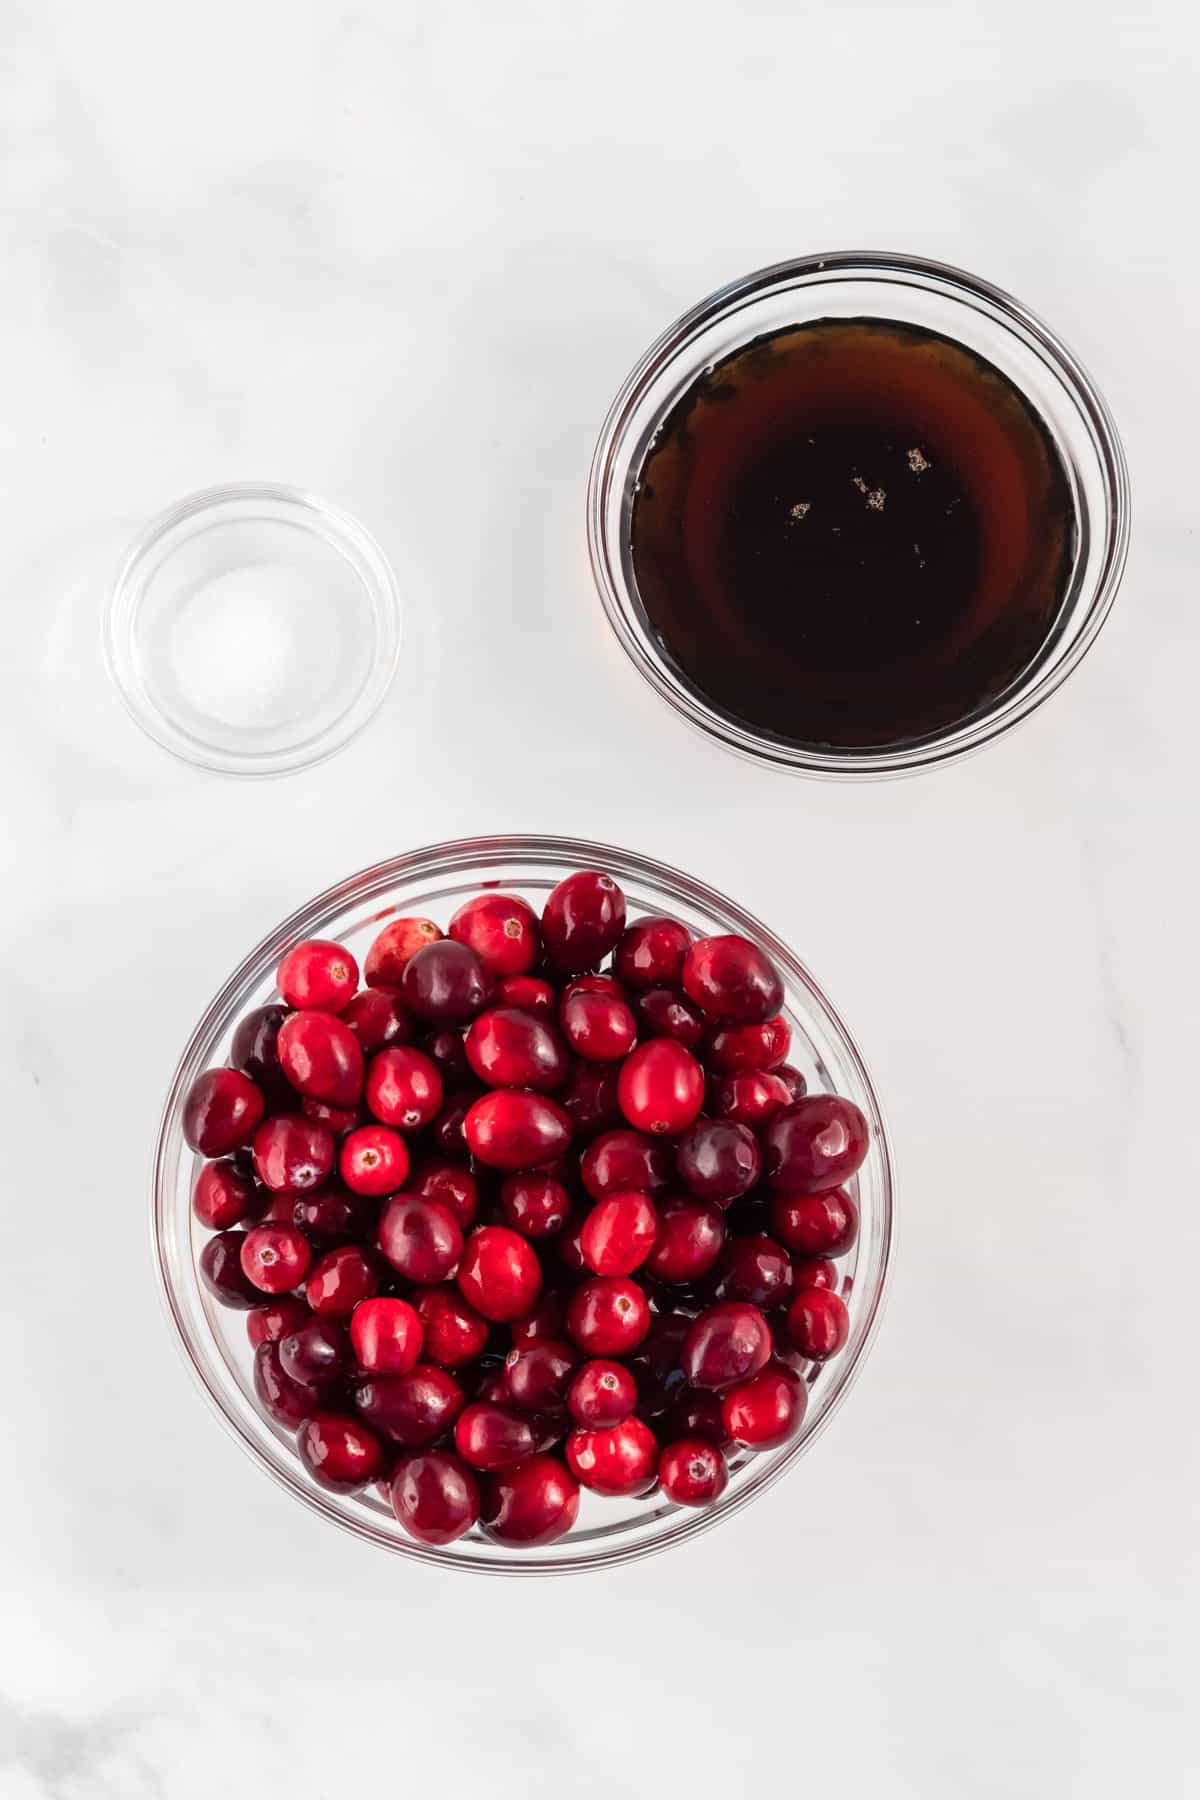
[504, 1225]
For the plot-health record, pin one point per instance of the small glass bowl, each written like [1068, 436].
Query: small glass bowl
[868, 285]
[434, 882]
[253, 629]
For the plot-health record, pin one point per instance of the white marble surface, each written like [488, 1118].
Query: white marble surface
[402, 255]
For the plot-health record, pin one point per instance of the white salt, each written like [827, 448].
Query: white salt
[253, 647]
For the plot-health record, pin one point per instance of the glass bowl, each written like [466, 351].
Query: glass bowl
[881, 286]
[435, 881]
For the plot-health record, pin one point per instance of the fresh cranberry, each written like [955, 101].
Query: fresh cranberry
[315, 1351]
[502, 930]
[651, 952]
[793, 1080]
[814, 1144]
[333, 1213]
[607, 1316]
[535, 1503]
[404, 1088]
[254, 1051]
[492, 1388]
[619, 1232]
[547, 1320]
[818, 1323]
[437, 1178]
[395, 948]
[655, 1364]
[816, 1224]
[570, 1247]
[377, 1018]
[454, 1332]
[293, 1155]
[538, 1377]
[602, 1393]
[317, 973]
[286, 1401]
[446, 983]
[662, 1012]
[598, 1027]
[221, 1111]
[276, 1258]
[661, 1087]
[224, 1195]
[734, 1047]
[339, 1452]
[493, 1437]
[696, 1413]
[222, 1273]
[731, 978]
[387, 1336]
[528, 993]
[434, 1497]
[321, 1057]
[622, 1459]
[446, 1049]
[729, 1342]
[718, 1160]
[509, 1129]
[373, 1160]
[690, 1235]
[814, 1272]
[692, 1472]
[420, 1238]
[411, 1409]
[582, 920]
[500, 1275]
[535, 1205]
[591, 983]
[625, 1159]
[268, 1324]
[590, 1099]
[340, 1119]
[508, 1048]
[758, 1270]
[766, 1410]
[751, 1097]
[340, 1280]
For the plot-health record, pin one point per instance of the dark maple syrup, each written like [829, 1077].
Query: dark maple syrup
[852, 533]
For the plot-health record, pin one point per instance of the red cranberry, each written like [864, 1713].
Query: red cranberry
[582, 920]
[607, 1316]
[758, 1270]
[655, 1365]
[373, 1160]
[661, 1087]
[814, 1144]
[293, 1155]
[286, 1401]
[528, 993]
[651, 952]
[608, 985]
[500, 1275]
[696, 1413]
[279, 1210]
[315, 1351]
[690, 1235]
[590, 1099]
[223, 1195]
[411, 1409]
[254, 1051]
[662, 1012]
[750, 1098]
[446, 983]
[493, 1437]
[386, 1335]
[436, 1178]
[718, 1160]
[538, 1377]
[692, 1472]
[339, 1452]
[729, 1342]
[793, 1080]
[221, 1111]
[570, 1247]
[598, 1027]
[735, 1047]
[625, 1159]
[454, 1332]
[222, 1273]
[602, 1393]
[814, 1272]
[731, 978]
[420, 1238]
[547, 1320]
[321, 1057]
[317, 973]
[818, 1323]
[508, 1048]
[404, 1088]
[766, 1410]
[535, 1503]
[340, 1280]
[508, 1129]
[340, 1119]
[268, 1324]
[623, 1459]
[377, 1018]
[492, 1388]
[333, 1213]
[502, 930]
[276, 1258]
[445, 1048]
[816, 1224]
[448, 1132]
[535, 1205]
[394, 949]
[619, 1232]
[434, 1497]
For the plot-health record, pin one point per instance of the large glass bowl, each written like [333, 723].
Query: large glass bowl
[435, 881]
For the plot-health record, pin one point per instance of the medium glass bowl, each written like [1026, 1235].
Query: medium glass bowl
[435, 881]
[882, 286]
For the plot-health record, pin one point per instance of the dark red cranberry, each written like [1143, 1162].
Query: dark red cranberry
[286, 1401]
[528, 993]
[317, 972]
[404, 1088]
[411, 1409]
[729, 1342]
[446, 1048]
[293, 1155]
[750, 1098]
[718, 1160]
[535, 1205]
[602, 1393]
[607, 1316]
[793, 1080]
[767, 1410]
[340, 1119]
[814, 1144]
[502, 930]
[625, 1159]
[619, 1232]
[508, 1048]
[373, 1160]
[661, 1087]
[317, 1350]
[321, 1057]
[817, 1271]
[570, 1247]
[387, 1336]
[598, 1027]
[446, 983]
[279, 1210]
[590, 1100]
[434, 1497]
[692, 1472]
[492, 1388]
[818, 1323]
[663, 1012]
[499, 1274]
[535, 1503]
[608, 985]
[437, 1178]
[268, 1324]
[494, 1437]
[735, 1047]
[378, 1018]
[621, 1459]
[339, 1452]
[816, 1224]
[454, 1332]
[395, 948]
[758, 1270]
[538, 1376]
[731, 978]
[340, 1280]
[420, 1238]
[655, 1365]
[222, 1273]
[253, 1050]
[276, 1258]
[221, 1111]
[224, 1195]
[651, 952]
[508, 1129]
[333, 1213]
[690, 1235]
[696, 1413]
[547, 1320]
[582, 920]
